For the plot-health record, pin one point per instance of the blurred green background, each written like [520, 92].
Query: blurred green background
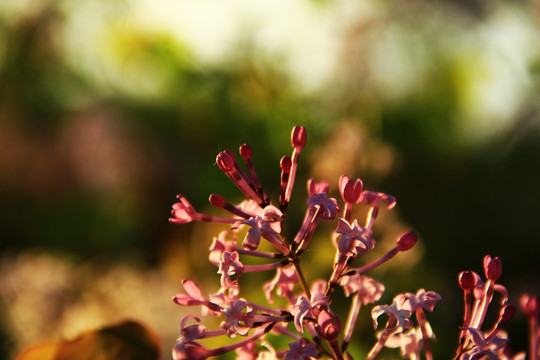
[109, 109]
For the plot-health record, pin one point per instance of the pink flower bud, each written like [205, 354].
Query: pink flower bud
[350, 189]
[530, 305]
[406, 241]
[217, 201]
[466, 280]
[285, 163]
[507, 313]
[492, 267]
[245, 151]
[330, 325]
[225, 160]
[299, 137]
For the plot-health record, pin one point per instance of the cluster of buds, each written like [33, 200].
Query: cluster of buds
[305, 315]
[530, 305]
[475, 343]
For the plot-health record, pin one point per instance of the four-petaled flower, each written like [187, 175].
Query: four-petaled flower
[304, 307]
[237, 321]
[328, 206]
[411, 302]
[398, 318]
[353, 238]
[285, 280]
[369, 289]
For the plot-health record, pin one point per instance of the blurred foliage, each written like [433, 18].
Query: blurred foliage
[108, 110]
[128, 340]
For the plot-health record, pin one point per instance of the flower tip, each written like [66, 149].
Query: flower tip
[331, 326]
[350, 189]
[315, 187]
[217, 201]
[245, 151]
[492, 267]
[407, 240]
[298, 137]
[225, 160]
[507, 313]
[466, 280]
[285, 163]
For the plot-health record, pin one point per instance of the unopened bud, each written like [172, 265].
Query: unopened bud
[330, 325]
[492, 267]
[285, 163]
[299, 137]
[507, 313]
[466, 280]
[217, 200]
[225, 160]
[350, 189]
[406, 241]
[245, 150]
[530, 305]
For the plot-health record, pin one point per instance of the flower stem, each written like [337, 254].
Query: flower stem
[421, 317]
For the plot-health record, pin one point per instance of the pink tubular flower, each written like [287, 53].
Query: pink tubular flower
[223, 298]
[194, 297]
[229, 266]
[366, 291]
[285, 280]
[353, 238]
[301, 350]
[227, 163]
[184, 213]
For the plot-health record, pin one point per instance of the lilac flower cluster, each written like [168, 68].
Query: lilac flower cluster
[305, 315]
